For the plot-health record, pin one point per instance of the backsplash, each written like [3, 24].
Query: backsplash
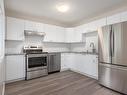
[56, 47]
[17, 46]
[14, 47]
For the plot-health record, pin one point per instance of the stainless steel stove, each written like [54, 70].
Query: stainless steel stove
[36, 62]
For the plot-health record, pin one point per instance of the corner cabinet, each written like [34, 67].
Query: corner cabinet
[124, 16]
[15, 29]
[86, 64]
[114, 19]
[73, 35]
[15, 67]
[54, 33]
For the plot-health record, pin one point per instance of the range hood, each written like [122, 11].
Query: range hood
[33, 33]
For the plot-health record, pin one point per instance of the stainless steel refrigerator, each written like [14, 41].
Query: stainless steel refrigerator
[113, 56]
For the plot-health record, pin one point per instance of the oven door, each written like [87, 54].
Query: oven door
[36, 62]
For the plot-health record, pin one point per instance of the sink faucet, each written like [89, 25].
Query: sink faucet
[93, 47]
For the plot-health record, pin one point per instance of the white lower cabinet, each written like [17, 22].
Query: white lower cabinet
[66, 61]
[86, 64]
[15, 67]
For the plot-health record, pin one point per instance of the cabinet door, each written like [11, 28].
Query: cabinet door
[91, 65]
[54, 33]
[60, 34]
[86, 64]
[114, 19]
[66, 61]
[74, 35]
[78, 34]
[50, 33]
[70, 35]
[40, 27]
[15, 67]
[30, 25]
[15, 29]
[124, 16]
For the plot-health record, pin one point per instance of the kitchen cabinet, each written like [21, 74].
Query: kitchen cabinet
[86, 64]
[73, 35]
[66, 61]
[15, 29]
[70, 35]
[114, 19]
[54, 33]
[94, 25]
[34, 26]
[15, 67]
[124, 16]
[78, 34]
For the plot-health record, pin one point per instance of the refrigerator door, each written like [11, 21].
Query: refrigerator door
[114, 77]
[104, 35]
[119, 47]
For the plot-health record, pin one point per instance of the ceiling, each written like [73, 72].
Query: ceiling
[45, 10]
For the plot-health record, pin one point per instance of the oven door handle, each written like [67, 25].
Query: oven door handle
[37, 55]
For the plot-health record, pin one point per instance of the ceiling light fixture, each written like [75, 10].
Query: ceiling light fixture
[62, 8]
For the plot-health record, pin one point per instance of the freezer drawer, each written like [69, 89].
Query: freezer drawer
[114, 77]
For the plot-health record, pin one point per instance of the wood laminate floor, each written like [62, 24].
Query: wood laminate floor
[63, 83]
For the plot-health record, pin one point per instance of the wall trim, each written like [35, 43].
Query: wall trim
[94, 77]
[15, 80]
[64, 69]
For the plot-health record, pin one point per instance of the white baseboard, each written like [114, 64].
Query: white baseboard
[10, 81]
[64, 69]
[94, 77]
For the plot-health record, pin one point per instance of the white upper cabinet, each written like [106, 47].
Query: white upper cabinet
[54, 33]
[78, 34]
[114, 19]
[15, 29]
[124, 16]
[34, 26]
[40, 27]
[70, 35]
[29, 25]
[93, 26]
[73, 35]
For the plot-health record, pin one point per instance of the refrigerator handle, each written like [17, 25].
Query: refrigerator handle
[113, 42]
[110, 42]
